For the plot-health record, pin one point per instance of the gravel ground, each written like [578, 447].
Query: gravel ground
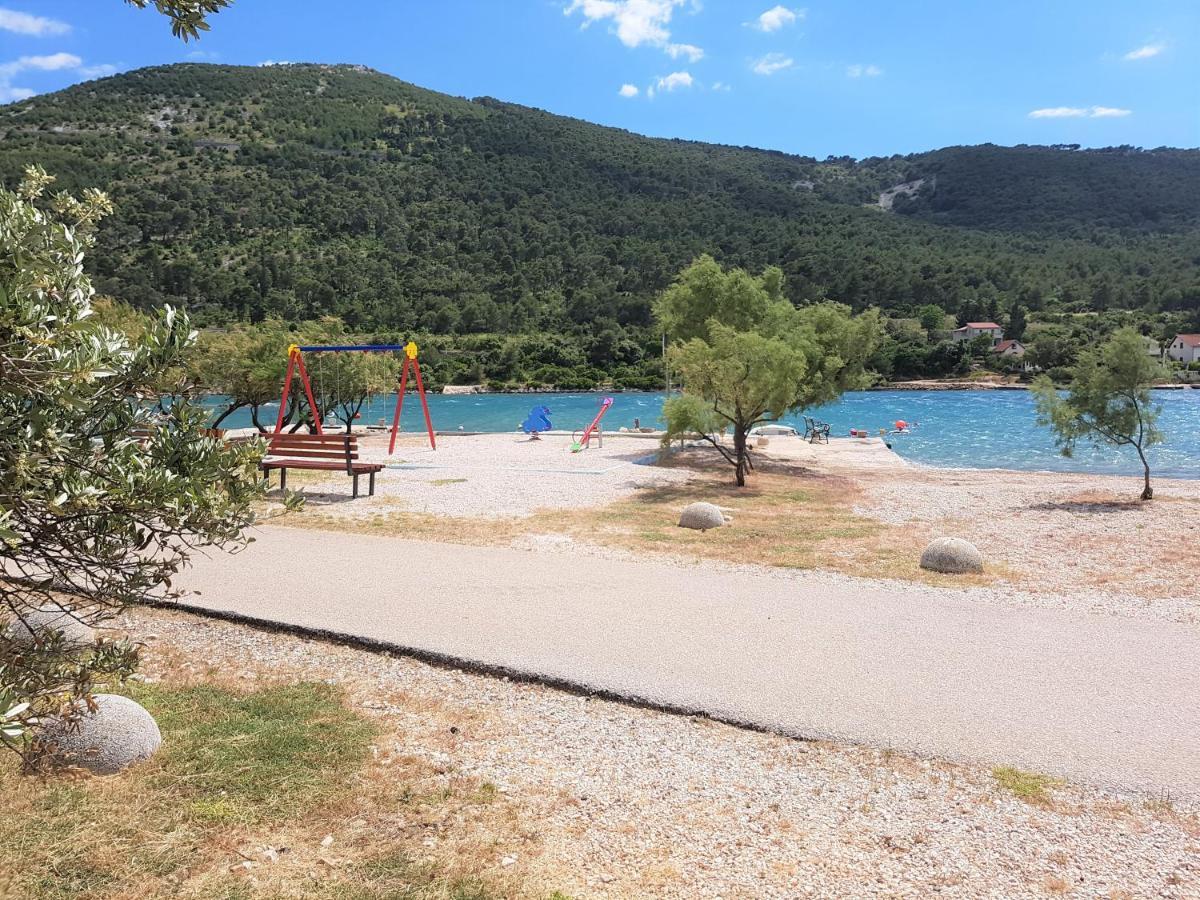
[492, 476]
[625, 802]
[1073, 535]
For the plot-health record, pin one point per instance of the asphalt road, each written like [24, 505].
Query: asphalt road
[1102, 700]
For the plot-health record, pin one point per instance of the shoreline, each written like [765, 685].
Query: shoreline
[467, 390]
[902, 461]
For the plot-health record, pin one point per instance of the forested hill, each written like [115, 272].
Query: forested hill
[304, 190]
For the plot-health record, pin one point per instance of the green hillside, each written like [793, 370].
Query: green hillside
[304, 190]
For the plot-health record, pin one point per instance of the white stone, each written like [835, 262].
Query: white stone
[701, 516]
[49, 619]
[952, 555]
[118, 734]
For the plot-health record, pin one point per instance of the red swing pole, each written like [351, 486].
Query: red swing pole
[424, 404]
[312, 404]
[293, 352]
[399, 405]
[410, 359]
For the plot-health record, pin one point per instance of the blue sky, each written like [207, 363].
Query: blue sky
[872, 77]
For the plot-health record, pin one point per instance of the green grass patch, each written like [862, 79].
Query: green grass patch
[257, 757]
[1031, 787]
[441, 482]
[226, 760]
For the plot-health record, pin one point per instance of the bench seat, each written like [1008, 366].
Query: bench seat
[317, 452]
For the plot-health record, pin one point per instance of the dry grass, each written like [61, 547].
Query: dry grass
[277, 792]
[787, 516]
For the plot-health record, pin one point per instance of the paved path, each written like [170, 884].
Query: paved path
[1096, 699]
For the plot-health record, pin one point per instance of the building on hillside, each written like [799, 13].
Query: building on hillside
[1185, 348]
[1153, 349]
[972, 330]
[1014, 350]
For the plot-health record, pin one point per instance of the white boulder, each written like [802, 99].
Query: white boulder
[701, 516]
[49, 619]
[118, 734]
[953, 556]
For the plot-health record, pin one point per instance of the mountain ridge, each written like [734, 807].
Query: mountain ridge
[311, 189]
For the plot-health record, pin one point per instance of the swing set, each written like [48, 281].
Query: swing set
[296, 366]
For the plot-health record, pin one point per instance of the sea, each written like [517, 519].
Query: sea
[983, 429]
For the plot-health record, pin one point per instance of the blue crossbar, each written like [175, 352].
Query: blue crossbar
[345, 347]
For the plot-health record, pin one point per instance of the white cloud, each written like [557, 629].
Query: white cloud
[638, 22]
[97, 71]
[673, 81]
[692, 52]
[54, 62]
[772, 63]
[775, 18]
[1145, 52]
[1079, 112]
[24, 23]
[721, 86]
[51, 63]
[861, 71]
[635, 22]
[13, 94]
[275, 62]
[628, 90]
[1058, 112]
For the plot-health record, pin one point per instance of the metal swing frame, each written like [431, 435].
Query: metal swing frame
[296, 366]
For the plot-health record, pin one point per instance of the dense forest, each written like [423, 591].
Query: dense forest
[301, 191]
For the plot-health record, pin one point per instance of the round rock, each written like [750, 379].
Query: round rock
[701, 516]
[953, 556]
[118, 734]
[49, 619]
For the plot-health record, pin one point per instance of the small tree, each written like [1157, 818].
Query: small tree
[932, 318]
[103, 488]
[1108, 401]
[751, 356]
[246, 364]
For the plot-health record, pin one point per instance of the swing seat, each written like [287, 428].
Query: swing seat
[317, 452]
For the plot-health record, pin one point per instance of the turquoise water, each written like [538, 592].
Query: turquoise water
[969, 429]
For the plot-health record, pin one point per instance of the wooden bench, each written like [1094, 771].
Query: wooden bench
[317, 452]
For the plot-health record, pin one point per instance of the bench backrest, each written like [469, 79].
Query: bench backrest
[315, 446]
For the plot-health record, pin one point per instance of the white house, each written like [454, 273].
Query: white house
[1185, 348]
[1009, 348]
[972, 330]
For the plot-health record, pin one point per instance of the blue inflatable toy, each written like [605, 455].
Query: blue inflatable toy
[538, 420]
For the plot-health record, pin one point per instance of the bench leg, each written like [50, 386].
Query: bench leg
[371, 486]
[283, 479]
[355, 487]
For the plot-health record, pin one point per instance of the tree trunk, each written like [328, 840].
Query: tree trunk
[223, 416]
[739, 452]
[1147, 491]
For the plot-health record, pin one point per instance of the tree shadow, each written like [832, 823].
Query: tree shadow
[1089, 506]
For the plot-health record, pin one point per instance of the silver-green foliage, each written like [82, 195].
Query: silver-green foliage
[107, 477]
[746, 355]
[1108, 401]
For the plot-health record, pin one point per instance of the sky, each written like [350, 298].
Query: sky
[852, 77]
